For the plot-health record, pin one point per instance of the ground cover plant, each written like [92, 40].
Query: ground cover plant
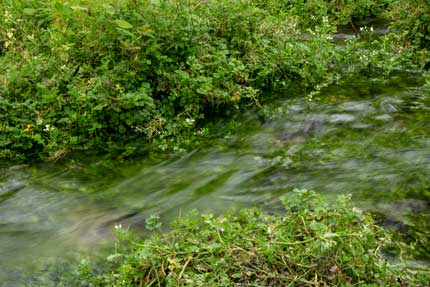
[313, 243]
[119, 74]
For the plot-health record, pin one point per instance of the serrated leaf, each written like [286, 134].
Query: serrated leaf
[123, 24]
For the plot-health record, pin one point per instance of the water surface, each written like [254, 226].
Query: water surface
[371, 141]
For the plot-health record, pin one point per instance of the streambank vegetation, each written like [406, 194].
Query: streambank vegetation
[120, 75]
[313, 243]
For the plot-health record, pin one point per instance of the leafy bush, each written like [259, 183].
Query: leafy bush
[82, 74]
[107, 72]
[312, 244]
[311, 13]
[411, 20]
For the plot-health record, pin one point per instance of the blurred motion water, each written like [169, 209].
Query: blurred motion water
[374, 145]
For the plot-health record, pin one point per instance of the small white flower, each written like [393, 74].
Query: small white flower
[189, 121]
[47, 128]
[118, 226]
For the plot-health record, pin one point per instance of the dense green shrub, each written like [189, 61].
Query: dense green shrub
[80, 74]
[311, 13]
[101, 72]
[411, 20]
[313, 244]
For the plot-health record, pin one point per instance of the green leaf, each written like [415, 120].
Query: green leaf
[58, 6]
[29, 11]
[153, 222]
[38, 138]
[329, 235]
[123, 24]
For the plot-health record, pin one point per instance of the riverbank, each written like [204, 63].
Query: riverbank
[118, 76]
[312, 243]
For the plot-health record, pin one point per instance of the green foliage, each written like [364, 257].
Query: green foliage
[314, 243]
[153, 222]
[82, 74]
[312, 13]
[411, 18]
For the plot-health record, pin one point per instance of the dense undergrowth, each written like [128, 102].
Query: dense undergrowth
[313, 243]
[117, 75]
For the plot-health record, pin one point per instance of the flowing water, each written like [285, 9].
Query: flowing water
[370, 140]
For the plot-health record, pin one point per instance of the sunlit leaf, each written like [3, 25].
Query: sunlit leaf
[123, 24]
[29, 11]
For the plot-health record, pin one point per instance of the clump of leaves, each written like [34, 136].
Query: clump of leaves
[344, 12]
[313, 244]
[411, 20]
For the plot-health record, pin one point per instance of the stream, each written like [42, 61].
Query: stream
[370, 140]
